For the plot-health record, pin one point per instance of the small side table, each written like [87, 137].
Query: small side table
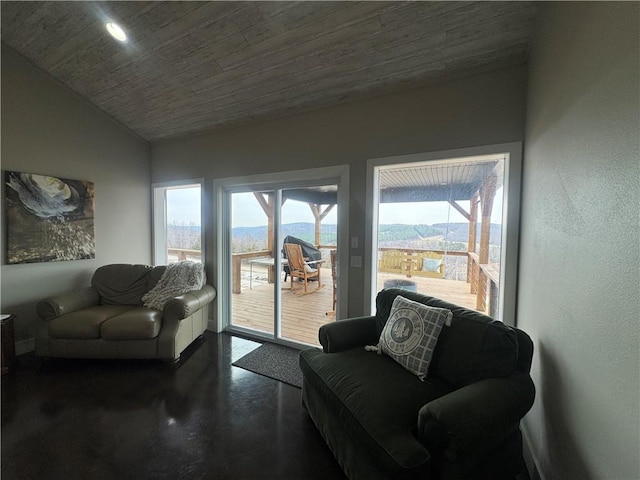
[8, 344]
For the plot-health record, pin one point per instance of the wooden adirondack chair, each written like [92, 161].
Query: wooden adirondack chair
[300, 268]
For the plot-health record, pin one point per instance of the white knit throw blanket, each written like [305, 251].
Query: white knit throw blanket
[178, 278]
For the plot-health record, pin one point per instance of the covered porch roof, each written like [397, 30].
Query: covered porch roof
[444, 181]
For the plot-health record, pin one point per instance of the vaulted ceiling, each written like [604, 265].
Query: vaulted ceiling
[194, 66]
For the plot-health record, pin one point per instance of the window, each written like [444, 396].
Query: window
[177, 222]
[446, 224]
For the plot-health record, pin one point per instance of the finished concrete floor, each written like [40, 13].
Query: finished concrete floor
[119, 420]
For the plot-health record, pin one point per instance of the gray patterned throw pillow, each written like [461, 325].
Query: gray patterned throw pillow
[411, 333]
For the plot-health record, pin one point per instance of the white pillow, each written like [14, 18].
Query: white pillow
[411, 333]
[431, 264]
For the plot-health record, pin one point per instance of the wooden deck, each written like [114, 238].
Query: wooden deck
[303, 315]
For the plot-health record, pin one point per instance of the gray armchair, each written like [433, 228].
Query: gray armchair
[382, 422]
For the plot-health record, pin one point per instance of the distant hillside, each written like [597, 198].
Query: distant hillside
[246, 239]
[459, 232]
[394, 235]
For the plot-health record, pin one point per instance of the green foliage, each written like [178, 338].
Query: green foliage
[401, 232]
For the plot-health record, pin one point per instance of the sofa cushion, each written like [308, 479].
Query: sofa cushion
[473, 348]
[410, 335]
[84, 324]
[136, 324]
[121, 284]
[155, 275]
[377, 401]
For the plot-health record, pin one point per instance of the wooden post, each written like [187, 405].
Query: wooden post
[473, 220]
[267, 207]
[315, 210]
[487, 192]
[482, 290]
[236, 273]
[319, 216]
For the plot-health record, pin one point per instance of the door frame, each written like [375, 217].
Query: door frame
[510, 218]
[222, 190]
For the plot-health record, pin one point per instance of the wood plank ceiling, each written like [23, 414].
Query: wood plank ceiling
[195, 66]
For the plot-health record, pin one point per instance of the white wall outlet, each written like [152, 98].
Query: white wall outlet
[356, 261]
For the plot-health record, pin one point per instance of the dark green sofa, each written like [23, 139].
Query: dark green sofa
[382, 422]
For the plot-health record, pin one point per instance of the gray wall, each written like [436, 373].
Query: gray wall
[579, 270]
[47, 129]
[479, 110]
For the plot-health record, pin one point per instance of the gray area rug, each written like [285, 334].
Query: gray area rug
[274, 361]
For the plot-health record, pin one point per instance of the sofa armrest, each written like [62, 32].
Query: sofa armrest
[187, 304]
[52, 307]
[472, 421]
[346, 334]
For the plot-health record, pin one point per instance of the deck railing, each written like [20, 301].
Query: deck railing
[485, 283]
[483, 279]
[184, 254]
[236, 265]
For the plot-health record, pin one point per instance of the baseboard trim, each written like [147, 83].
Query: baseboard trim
[530, 458]
[25, 346]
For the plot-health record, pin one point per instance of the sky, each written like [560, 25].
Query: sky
[183, 205]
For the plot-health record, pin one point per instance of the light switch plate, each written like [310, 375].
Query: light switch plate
[356, 261]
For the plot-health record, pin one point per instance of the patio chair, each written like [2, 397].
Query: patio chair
[300, 268]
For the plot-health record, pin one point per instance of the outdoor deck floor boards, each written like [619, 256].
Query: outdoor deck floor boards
[303, 315]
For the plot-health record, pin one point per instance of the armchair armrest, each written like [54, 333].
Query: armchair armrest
[184, 305]
[347, 334]
[52, 307]
[473, 420]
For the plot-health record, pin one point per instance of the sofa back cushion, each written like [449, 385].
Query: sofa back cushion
[473, 348]
[121, 284]
[155, 275]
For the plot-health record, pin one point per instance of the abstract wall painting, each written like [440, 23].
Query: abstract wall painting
[49, 219]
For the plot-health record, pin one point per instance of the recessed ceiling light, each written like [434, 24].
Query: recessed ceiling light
[116, 31]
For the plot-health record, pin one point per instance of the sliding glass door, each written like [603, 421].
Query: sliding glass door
[271, 296]
[252, 261]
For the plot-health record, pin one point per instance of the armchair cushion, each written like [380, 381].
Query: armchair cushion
[382, 400]
[490, 347]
